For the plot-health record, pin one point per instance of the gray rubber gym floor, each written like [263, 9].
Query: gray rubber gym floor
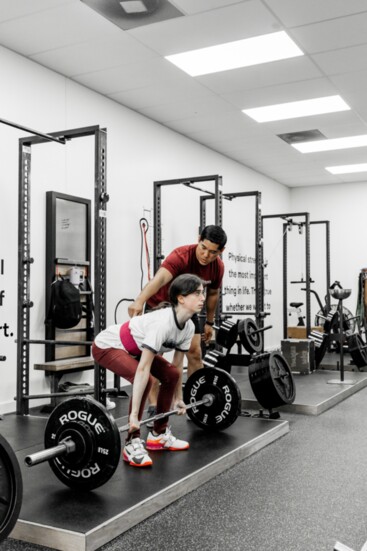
[301, 493]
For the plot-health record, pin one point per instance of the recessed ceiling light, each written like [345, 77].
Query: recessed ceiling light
[232, 55]
[347, 169]
[294, 109]
[329, 145]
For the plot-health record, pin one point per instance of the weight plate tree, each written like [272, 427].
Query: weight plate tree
[11, 488]
[227, 398]
[82, 440]
[272, 380]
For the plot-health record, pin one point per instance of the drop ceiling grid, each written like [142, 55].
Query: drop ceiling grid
[295, 13]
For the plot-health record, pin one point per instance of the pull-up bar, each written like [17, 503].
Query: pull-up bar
[35, 132]
[191, 186]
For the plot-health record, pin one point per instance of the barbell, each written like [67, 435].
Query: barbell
[82, 440]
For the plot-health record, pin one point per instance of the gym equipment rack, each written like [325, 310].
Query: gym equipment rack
[24, 254]
[259, 276]
[306, 224]
[217, 195]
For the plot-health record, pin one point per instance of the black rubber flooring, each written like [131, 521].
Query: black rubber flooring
[301, 493]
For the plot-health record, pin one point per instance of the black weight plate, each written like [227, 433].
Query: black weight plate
[252, 342]
[321, 341]
[97, 439]
[226, 407]
[227, 334]
[357, 349]
[271, 380]
[11, 488]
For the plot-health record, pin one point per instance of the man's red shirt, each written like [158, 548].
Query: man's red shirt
[183, 261]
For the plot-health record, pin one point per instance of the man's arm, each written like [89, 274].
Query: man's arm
[212, 296]
[162, 277]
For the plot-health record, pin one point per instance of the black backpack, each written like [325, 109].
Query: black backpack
[65, 307]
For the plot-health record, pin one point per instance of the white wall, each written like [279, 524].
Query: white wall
[140, 151]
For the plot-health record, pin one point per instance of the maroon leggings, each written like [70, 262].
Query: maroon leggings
[123, 364]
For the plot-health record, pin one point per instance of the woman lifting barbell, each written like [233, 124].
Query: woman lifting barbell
[133, 351]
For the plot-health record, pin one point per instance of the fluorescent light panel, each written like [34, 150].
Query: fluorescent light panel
[347, 169]
[232, 55]
[295, 109]
[333, 144]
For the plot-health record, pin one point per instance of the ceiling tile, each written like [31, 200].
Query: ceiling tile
[344, 60]
[300, 12]
[329, 124]
[354, 82]
[214, 27]
[159, 93]
[281, 93]
[267, 74]
[190, 7]
[134, 75]
[334, 34]
[62, 26]
[172, 111]
[95, 55]
[10, 9]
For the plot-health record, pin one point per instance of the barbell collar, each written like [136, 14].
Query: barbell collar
[208, 400]
[64, 448]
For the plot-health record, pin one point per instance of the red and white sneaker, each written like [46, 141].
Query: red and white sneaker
[135, 454]
[166, 441]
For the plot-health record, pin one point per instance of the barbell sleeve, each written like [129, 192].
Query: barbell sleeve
[64, 448]
[261, 330]
[208, 400]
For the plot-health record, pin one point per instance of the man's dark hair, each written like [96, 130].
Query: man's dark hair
[215, 234]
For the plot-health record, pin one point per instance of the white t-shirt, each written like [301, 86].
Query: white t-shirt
[158, 331]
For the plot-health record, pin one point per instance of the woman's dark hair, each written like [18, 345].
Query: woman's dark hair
[184, 285]
[215, 234]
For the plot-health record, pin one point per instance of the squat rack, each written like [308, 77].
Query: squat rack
[189, 182]
[24, 253]
[259, 283]
[326, 223]
[306, 223]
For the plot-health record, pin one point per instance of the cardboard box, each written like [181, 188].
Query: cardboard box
[300, 332]
[300, 355]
